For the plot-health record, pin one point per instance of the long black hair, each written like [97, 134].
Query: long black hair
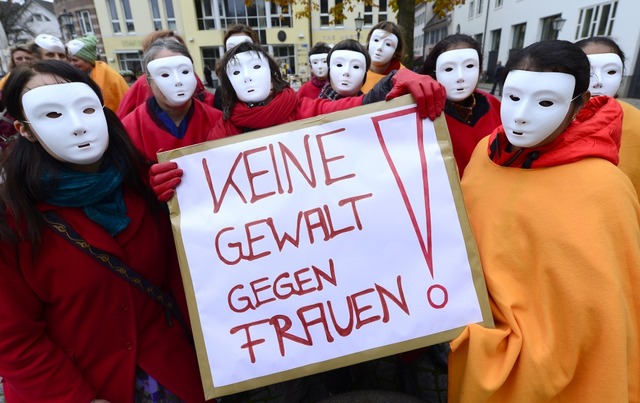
[229, 96]
[25, 163]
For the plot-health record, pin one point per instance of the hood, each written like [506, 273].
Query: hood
[594, 133]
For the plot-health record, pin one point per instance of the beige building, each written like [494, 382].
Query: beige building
[124, 24]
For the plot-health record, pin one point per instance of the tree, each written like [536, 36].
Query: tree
[404, 9]
[13, 17]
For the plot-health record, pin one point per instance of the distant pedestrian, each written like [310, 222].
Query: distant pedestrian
[207, 76]
[497, 79]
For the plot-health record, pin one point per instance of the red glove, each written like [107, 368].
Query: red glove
[430, 95]
[165, 178]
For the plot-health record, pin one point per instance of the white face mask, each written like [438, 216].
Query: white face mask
[318, 64]
[50, 43]
[534, 105]
[250, 76]
[606, 74]
[68, 120]
[346, 70]
[458, 70]
[235, 40]
[174, 77]
[382, 46]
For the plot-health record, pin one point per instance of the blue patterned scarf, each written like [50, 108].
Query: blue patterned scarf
[99, 194]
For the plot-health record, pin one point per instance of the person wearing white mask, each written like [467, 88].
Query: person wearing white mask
[319, 71]
[456, 62]
[76, 206]
[172, 117]
[348, 65]
[386, 47]
[48, 47]
[607, 65]
[557, 226]
[235, 35]
[83, 54]
[255, 96]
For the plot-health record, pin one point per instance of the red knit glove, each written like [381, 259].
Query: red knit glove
[430, 95]
[165, 178]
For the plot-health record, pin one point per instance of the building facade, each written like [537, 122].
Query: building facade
[81, 21]
[203, 23]
[502, 26]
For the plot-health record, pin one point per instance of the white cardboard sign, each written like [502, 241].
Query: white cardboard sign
[323, 243]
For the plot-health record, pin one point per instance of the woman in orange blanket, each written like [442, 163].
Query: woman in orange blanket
[557, 228]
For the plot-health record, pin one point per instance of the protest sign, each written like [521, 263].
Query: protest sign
[323, 243]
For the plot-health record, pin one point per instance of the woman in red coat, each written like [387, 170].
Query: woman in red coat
[170, 118]
[71, 329]
[456, 62]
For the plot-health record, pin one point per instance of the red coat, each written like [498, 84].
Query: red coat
[72, 331]
[465, 137]
[309, 90]
[149, 134]
[140, 92]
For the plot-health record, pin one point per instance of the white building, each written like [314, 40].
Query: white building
[504, 25]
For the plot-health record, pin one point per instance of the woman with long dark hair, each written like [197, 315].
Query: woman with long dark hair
[80, 227]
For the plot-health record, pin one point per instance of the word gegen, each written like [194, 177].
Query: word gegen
[363, 308]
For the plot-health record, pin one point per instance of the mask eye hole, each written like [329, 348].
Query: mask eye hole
[514, 98]
[612, 72]
[164, 75]
[545, 104]
[448, 69]
[257, 67]
[235, 72]
[185, 72]
[89, 111]
[471, 65]
[53, 115]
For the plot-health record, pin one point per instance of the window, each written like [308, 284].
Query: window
[84, 20]
[128, 17]
[171, 15]
[479, 11]
[472, 8]
[382, 10]
[204, 13]
[596, 20]
[130, 61]
[210, 58]
[518, 36]
[238, 12]
[280, 15]
[155, 14]
[113, 13]
[285, 56]
[39, 18]
[368, 15]
[339, 7]
[324, 13]
[495, 39]
[548, 32]
[498, 3]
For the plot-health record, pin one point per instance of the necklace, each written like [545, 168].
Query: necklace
[465, 112]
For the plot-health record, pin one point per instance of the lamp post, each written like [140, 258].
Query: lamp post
[359, 23]
[557, 25]
[66, 20]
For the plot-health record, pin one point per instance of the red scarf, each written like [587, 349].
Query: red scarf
[244, 118]
[318, 82]
[393, 65]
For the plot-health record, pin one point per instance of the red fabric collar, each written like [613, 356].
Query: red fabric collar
[594, 133]
[318, 82]
[245, 118]
[393, 65]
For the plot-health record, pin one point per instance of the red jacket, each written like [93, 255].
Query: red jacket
[465, 136]
[72, 331]
[310, 90]
[150, 135]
